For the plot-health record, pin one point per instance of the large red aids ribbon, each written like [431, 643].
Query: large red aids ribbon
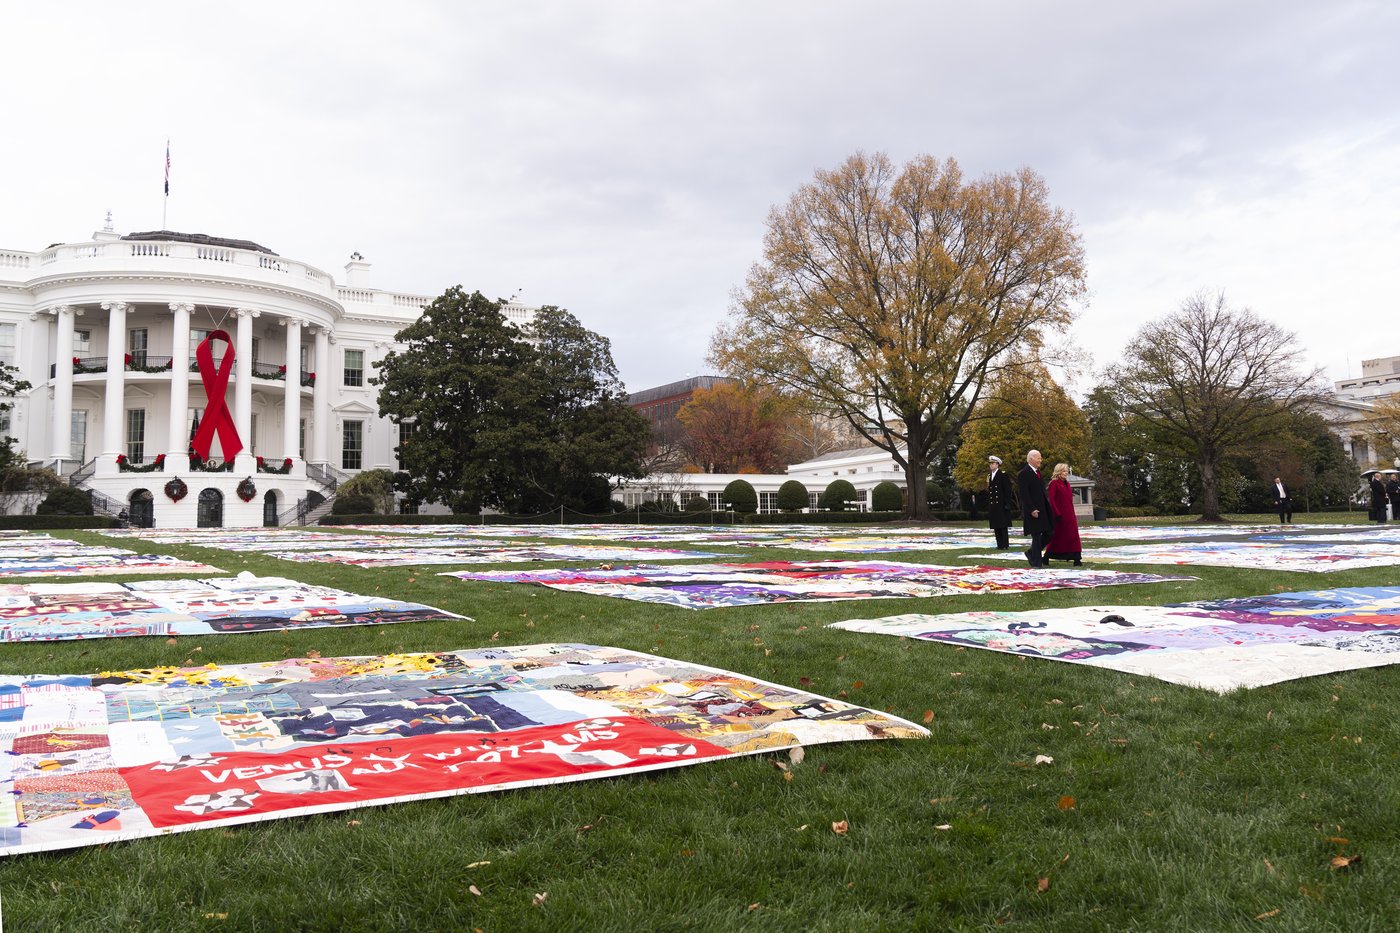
[217, 417]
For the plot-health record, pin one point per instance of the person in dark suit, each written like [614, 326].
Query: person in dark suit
[1035, 508]
[1000, 502]
[1379, 498]
[1392, 491]
[1283, 501]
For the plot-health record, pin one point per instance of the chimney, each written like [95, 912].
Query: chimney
[357, 271]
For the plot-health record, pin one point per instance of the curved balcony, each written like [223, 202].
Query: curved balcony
[139, 364]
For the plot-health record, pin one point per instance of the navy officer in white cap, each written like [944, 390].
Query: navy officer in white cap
[1000, 502]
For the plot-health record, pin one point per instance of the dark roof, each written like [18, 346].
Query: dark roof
[677, 388]
[201, 238]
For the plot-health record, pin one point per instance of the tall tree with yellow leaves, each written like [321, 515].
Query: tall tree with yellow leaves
[891, 296]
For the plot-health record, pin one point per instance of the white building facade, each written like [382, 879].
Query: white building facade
[105, 333]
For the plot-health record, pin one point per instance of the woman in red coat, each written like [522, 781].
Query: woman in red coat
[1064, 540]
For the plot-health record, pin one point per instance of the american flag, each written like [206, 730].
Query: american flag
[167, 168]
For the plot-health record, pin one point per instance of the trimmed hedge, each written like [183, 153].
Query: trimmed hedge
[355, 503]
[65, 500]
[838, 496]
[739, 495]
[1131, 511]
[886, 497]
[793, 497]
[57, 521]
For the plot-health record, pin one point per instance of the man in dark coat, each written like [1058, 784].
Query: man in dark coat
[999, 503]
[1035, 508]
[1379, 498]
[1392, 491]
[1283, 501]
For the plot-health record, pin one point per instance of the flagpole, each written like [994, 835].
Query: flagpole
[165, 205]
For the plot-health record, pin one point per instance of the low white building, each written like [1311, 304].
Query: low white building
[864, 468]
[105, 332]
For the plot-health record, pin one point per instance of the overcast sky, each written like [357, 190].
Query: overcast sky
[619, 158]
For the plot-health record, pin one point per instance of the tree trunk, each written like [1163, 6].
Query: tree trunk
[1210, 491]
[916, 477]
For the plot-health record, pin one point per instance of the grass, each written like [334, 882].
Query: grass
[1190, 810]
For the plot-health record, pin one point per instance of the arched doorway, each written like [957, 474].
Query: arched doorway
[270, 509]
[141, 509]
[211, 508]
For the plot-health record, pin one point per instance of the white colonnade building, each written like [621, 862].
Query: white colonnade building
[105, 333]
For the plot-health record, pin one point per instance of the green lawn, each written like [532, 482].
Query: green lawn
[1189, 810]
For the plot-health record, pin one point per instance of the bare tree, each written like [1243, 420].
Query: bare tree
[1213, 380]
[890, 296]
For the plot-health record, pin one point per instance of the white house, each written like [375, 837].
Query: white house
[106, 331]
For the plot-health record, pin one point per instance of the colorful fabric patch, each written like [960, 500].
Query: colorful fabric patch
[1217, 645]
[352, 732]
[706, 586]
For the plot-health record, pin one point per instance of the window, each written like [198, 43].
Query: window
[301, 439]
[768, 502]
[716, 503]
[78, 433]
[250, 442]
[257, 349]
[82, 342]
[7, 344]
[136, 435]
[136, 345]
[196, 338]
[305, 359]
[354, 367]
[405, 432]
[352, 445]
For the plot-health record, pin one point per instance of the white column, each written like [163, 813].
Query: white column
[115, 402]
[243, 378]
[291, 401]
[321, 400]
[61, 443]
[177, 447]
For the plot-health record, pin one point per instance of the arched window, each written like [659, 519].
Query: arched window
[211, 508]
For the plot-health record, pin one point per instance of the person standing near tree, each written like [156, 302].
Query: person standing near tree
[1064, 538]
[1000, 501]
[1392, 491]
[1379, 497]
[1284, 501]
[1035, 508]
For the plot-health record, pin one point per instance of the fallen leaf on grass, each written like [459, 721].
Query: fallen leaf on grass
[1269, 865]
[540, 898]
[1042, 885]
[956, 674]
[313, 654]
[754, 906]
[1047, 726]
[172, 641]
[840, 827]
[928, 715]
[474, 889]
[1044, 760]
[218, 916]
[1339, 840]
[353, 823]
[800, 828]
[1267, 914]
[804, 681]
[941, 800]
[944, 826]
[797, 755]
[1344, 861]
[478, 864]
[1066, 803]
[858, 685]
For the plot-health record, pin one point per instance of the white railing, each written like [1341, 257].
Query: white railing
[143, 248]
[213, 253]
[357, 296]
[14, 260]
[411, 301]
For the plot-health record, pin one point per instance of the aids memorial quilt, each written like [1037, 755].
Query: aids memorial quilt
[1264, 555]
[708, 586]
[428, 556]
[83, 561]
[90, 760]
[246, 603]
[876, 544]
[1216, 645]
